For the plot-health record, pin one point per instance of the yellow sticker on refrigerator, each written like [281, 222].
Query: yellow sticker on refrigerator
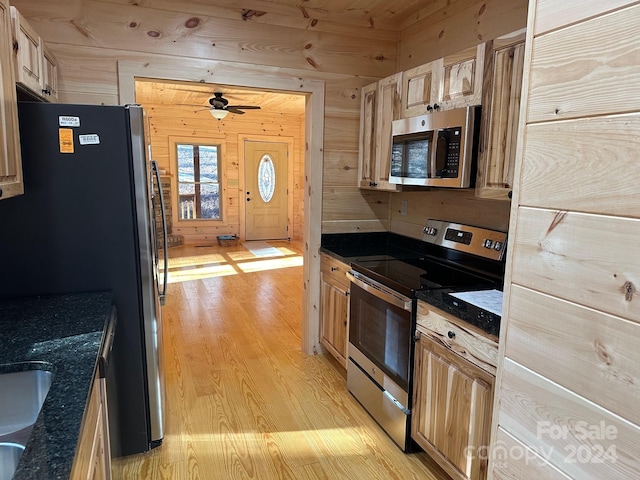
[66, 140]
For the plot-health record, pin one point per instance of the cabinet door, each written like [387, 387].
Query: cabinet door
[460, 78]
[92, 460]
[333, 319]
[367, 154]
[452, 406]
[10, 159]
[50, 75]
[500, 117]
[419, 90]
[387, 110]
[28, 53]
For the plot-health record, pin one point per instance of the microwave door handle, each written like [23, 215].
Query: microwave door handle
[433, 155]
[442, 146]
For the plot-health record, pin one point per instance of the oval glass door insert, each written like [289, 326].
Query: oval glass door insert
[266, 178]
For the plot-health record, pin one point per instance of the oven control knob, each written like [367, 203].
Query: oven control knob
[497, 246]
[488, 243]
[451, 334]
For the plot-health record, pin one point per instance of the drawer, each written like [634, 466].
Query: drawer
[480, 349]
[333, 269]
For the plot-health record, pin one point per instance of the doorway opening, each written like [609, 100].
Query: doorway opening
[282, 81]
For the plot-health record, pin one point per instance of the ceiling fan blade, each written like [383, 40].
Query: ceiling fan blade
[245, 107]
[234, 110]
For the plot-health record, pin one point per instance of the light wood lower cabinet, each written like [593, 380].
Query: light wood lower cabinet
[334, 310]
[93, 453]
[452, 407]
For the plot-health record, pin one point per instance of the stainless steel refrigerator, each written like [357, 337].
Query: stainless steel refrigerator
[86, 223]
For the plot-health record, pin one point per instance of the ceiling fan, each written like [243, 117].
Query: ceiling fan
[220, 106]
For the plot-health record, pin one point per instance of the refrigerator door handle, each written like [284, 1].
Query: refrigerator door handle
[162, 294]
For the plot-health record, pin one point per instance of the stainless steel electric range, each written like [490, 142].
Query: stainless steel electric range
[458, 268]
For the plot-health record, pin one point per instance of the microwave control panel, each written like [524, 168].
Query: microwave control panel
[448, 152]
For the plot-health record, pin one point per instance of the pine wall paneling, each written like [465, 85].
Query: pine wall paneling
[570, 330]
[457, 25]
[445, 204]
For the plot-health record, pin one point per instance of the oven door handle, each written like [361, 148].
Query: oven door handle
[380, 291]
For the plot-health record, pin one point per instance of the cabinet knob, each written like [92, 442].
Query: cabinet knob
[333, 269]
[429, 108]
[451, 334]
[0, 191]
[436, 106]
[510, 194]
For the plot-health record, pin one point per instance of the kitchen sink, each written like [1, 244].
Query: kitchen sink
[23, 389]
[22, 393]
[9, 458]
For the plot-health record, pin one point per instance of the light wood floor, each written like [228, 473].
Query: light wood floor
[242, 401]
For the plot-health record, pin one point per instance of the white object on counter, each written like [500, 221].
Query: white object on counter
[490, 300]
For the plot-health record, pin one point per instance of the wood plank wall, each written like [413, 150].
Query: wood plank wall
[569, 361]
[200, 126]
[89, 37]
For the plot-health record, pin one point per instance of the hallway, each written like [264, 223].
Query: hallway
[242, 401]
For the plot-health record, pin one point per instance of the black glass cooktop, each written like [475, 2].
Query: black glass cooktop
[410, 275]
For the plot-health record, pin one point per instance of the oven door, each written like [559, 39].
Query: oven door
[380, 328]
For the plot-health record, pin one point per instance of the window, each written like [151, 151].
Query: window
[266, 178]
[198, 182]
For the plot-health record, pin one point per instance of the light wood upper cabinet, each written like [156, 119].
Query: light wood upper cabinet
[334, 307]
[452, 407]
[454, 81]
[10, 158]
[500, 116]
[420, 90]
[36, 67]
[50, 75]
[27, 47]
[379, 108]
[460, 78]
[367, 150]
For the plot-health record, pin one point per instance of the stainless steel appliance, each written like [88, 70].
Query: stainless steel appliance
[450, 263]
[438, 149]
[86, 223]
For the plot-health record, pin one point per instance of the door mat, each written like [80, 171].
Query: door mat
[262, 249]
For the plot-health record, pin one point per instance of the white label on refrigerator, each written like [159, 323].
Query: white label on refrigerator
[90, 139]
[67, 121]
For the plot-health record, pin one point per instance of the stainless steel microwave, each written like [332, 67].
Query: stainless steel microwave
[437, 149]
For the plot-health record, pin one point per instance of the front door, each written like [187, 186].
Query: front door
[266, 183]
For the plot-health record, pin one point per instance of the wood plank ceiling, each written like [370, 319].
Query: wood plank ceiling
[357, 14]
[196, 96]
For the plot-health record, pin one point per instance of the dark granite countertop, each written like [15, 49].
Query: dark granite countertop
[349, 247]
[65, 331]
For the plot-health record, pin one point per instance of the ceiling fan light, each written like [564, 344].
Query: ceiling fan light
[218, 114]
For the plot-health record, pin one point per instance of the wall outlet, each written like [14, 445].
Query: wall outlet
[403, 207]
